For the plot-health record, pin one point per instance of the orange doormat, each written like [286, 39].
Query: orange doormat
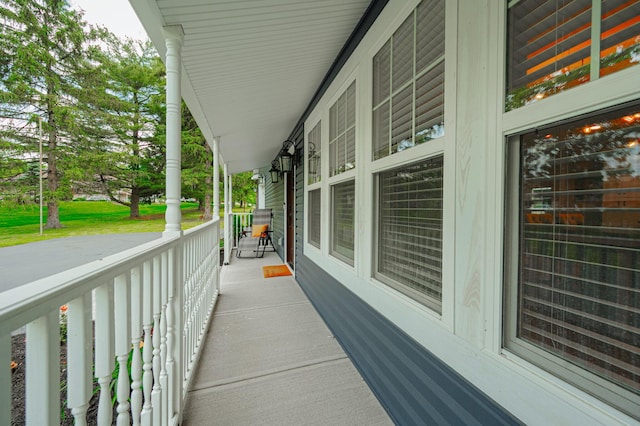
[275, 271]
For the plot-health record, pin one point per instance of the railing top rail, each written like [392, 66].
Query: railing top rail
[28, 302]
[198, 228]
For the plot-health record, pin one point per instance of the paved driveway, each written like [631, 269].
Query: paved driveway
[28, 262]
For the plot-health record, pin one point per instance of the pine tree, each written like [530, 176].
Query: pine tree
[44, 50]
[128, 156]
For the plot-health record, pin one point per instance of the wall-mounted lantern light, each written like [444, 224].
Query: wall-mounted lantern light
[275, 173]
[286, 156]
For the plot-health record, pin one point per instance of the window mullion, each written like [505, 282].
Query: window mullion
[413, 80]
[389, 139]
[431, 66]
[346, 126]
[596, 14]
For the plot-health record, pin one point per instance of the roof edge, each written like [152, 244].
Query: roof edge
[366, 21]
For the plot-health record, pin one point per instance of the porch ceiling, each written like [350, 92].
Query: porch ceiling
[251, 67]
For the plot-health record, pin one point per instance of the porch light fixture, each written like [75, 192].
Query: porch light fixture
[257, 176]
[286, 156]
[275, 173]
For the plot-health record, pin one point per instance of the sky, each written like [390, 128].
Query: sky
[116, 15]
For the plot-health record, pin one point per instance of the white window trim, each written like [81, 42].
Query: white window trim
[310, 123]
[616, 88]
[444, 145]
[549, 364]
[351, 173]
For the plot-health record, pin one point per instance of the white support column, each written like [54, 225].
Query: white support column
[230, 197]
[173, 39]
[227, 243]
[229, 208]
[216, 176]
[261, 193]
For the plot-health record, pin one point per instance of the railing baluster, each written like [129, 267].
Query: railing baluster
[43, 370]
[136, 338]
[163, 339]
[174, 333]
[170, 336]
[104, 350]
[157, 306]
[189, 294]
[5, 379]
[147, 349]
[79, 346]
[123, 346]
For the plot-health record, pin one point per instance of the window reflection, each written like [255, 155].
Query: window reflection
[550, 45]
[579, 275]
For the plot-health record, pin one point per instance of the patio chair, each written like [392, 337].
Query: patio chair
[256, 238]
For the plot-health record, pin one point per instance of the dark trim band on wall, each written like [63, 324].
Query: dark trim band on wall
[412, 384]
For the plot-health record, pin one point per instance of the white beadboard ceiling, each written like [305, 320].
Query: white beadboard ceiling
[251, 67]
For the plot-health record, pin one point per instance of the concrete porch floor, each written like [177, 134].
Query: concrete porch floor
[269, 359]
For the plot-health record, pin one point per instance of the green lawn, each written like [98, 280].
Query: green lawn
[21, 224]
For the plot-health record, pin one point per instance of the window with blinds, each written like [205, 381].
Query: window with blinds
[550, 44]
[342, 132]
[409, 241]
[619, 35]
[408, 82]
[314, 164]
[578, 279]
[343, 197]
[314, 209]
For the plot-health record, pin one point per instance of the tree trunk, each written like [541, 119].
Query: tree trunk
[134, 207]
[207, 199]
[53, 216]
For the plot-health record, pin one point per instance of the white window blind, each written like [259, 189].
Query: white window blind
[408, 82]
[549, 45]
[409, 249]
[343, 206]
[314, 217]
[342, 130]
[619, 35]
[579, 245]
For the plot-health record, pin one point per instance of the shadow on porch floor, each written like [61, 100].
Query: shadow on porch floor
[270, 359]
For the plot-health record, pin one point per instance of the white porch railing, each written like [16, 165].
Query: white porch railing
[150, 304]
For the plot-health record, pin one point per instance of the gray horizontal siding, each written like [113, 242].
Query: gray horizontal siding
[414, 386]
